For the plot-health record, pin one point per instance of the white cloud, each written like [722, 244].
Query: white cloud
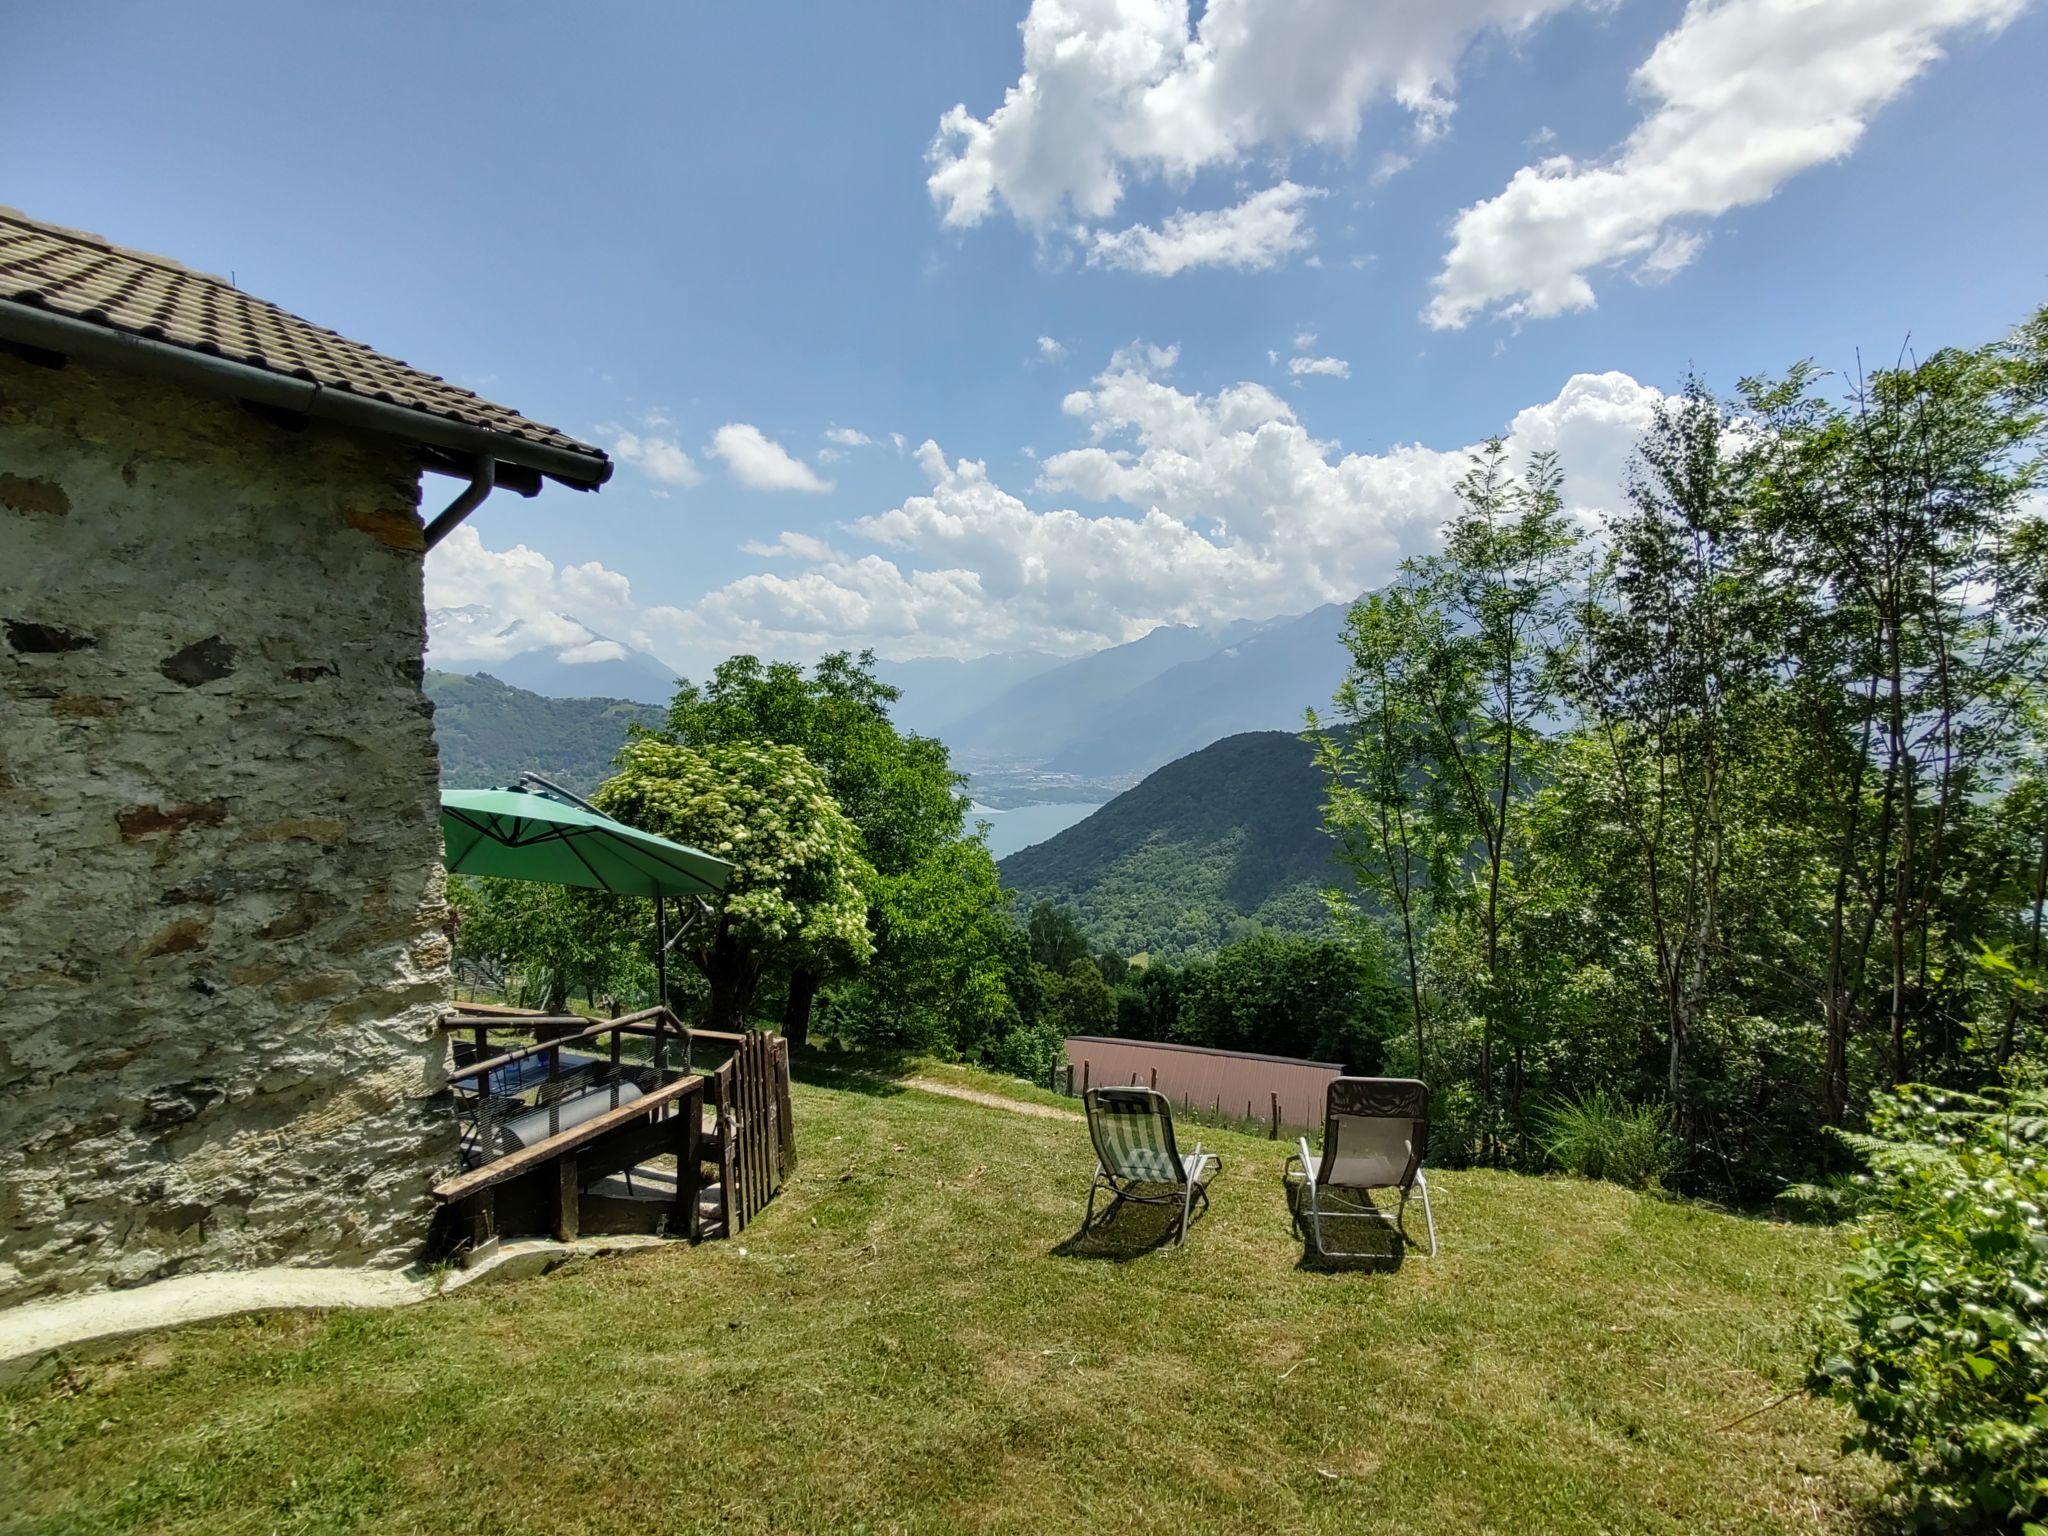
[1206, 506]
[790, 544]
[1227, 507]
[847, 437]
[1326, 367]
[1743, 95]
[1303, 340]
[494, 604]
[592, 650]
[1390, 164]
[756, 460]
[1137, 357]
[1256, 235]
[659, 458]
[1113, 90]
[1050, 350]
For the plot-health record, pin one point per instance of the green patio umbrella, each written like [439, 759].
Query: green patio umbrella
[544, 833]
[522, 834]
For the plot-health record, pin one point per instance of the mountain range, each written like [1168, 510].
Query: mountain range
[490, 732]
[1073, 727]
[1117, 714]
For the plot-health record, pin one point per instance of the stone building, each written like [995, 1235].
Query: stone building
[221, 917]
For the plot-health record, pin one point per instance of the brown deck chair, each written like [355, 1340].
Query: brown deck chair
[1375, 1132]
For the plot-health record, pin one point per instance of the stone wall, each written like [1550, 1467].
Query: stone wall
[221, 946]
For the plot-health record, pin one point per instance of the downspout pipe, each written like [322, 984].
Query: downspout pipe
[482, 477]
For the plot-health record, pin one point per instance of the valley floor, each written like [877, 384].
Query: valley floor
[906, 1340]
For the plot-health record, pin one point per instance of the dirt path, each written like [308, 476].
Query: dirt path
[991, 1100]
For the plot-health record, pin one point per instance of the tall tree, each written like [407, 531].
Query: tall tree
[1664, 676]
[1057, 942]
[1901, 516]
[898, 789]
[1503, 586]
[1382, 805]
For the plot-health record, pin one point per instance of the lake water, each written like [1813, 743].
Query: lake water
[1027, 824]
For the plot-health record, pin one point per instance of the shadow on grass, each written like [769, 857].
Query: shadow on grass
[1375, 1243]
[1128, 1230]
[876, 1074]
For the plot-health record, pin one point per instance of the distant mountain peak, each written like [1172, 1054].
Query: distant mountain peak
[1121, 712]
[552, 654]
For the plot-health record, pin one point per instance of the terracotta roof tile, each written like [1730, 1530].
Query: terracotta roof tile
[81, 275]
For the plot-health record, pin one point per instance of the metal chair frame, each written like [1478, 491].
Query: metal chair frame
[1362, 1098]
[1195, 1170]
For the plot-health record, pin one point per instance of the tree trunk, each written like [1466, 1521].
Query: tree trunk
[1836, 989]
[732, 975]
[2009, 1035]
[796, 1009]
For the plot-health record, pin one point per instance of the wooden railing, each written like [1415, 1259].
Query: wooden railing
[748, 1152]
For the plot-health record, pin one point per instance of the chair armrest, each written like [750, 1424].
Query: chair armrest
[1304, 1157]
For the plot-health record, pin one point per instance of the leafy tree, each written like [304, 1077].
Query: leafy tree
[1057, 942]
[1898, 526]
[1385, 809]
[1084, 1004]
[1503, 587]
[1291, 996]
[899, 790]
[796, 897]
[1668, 665]
[1148, 1003]
[560, 942]
[954, 950]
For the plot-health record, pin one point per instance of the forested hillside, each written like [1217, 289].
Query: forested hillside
[489, 731]
[1204, 848]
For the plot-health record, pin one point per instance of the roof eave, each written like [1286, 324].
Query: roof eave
[91, 341]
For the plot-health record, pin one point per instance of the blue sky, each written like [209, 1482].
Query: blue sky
[648, 223]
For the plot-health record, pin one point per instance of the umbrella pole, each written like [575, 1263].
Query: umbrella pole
[660, 982]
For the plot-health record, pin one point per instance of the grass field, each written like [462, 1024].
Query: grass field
[907, 1341]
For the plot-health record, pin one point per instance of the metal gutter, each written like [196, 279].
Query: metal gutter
[93, 342]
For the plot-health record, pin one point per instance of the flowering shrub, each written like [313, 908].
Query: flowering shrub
[1938, 1338]
[796, 895]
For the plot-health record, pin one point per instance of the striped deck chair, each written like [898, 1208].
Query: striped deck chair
[1136, 1157]
[1375, 1132]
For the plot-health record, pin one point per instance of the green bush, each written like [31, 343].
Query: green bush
[1602, 1136]
[1938, 1339]
[1028, 1051]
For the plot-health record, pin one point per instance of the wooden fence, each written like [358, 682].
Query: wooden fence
[754, 1148]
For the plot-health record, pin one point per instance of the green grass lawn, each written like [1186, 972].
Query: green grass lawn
[904, 1341]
